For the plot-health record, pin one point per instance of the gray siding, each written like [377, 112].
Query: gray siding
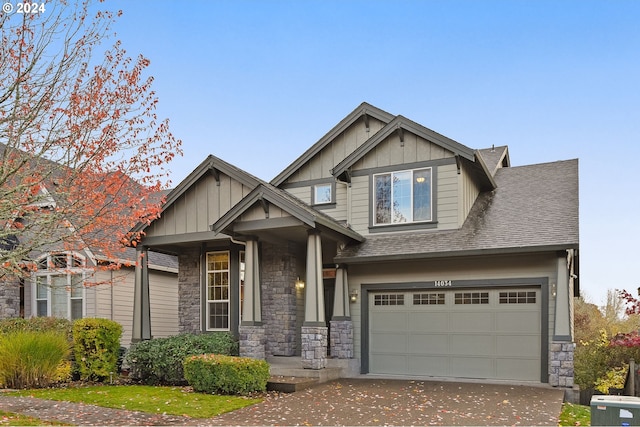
[448, 197]
[199, 207]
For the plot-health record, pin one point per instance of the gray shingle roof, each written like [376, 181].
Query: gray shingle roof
[534, 208]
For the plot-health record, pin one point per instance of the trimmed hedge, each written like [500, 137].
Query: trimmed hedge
[96, 345]
[159, 361]
[214, 373]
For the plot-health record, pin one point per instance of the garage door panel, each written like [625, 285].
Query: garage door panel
[389, 342]
[473, 367]
[518, 369]
[429, 344]
[436, 366]
[428, 322]
[472, 321]
[389, 364]
[390, 321]
[520, 321]
[517, 345]
[476, 344]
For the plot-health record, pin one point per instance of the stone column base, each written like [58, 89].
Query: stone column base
[341, 339]
[561, 364]
[252, 341]
[314, 347]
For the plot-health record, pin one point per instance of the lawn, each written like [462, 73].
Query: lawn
[575, 415]
[11, 419]
[156, 400]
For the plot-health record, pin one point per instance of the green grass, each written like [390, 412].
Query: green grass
[575, 415]
[11, 419]
[156, 400]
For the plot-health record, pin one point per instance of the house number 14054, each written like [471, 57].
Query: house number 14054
[441, 283]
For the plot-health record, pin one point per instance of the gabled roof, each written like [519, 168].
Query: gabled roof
[401, 124]
[534, 208]
[267, 193]
[213, 165]
[494, 157]
[364, 110]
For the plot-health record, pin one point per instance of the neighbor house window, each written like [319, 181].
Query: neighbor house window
[217, 291]
[58, 286]
[402, 197]
[321, 194]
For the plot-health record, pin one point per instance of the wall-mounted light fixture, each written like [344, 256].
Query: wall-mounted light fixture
[553, 290]
[299, 284]
[353, 296]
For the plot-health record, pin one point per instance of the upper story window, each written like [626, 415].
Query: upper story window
[58, 286]
[402, 197]
[322, 194]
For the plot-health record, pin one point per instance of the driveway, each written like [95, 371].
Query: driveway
[355, 402]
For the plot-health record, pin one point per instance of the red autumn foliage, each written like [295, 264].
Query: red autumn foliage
[83, 155]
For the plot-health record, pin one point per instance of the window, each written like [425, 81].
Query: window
[388, 299]
[471, 298]
[58, 286]
[321, 194]
[242, 271]
[402, 197]
[521, 297]
[428, 299]
[217, 291]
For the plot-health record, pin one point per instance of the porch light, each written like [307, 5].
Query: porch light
[353, 296]
[299, 284]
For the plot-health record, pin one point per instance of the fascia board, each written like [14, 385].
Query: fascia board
[350, 119]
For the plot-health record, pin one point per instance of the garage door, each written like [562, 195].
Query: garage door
[471, 333]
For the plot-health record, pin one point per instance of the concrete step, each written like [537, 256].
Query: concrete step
[285, 384]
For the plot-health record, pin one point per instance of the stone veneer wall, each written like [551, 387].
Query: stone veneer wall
[189, 291]
[561, 364]
[278, 276]
[341, 339]
[10, 298]
[314, 347]
[252, 341]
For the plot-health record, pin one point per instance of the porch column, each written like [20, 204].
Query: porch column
[561, 351]
[251, 330]
[141, 329]
[341, 324]
[314, 329]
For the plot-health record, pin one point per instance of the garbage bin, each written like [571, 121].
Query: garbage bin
[615, 411]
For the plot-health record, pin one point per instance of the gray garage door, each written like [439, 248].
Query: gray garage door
[470, 333]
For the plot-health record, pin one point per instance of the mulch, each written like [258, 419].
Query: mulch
[356, 402]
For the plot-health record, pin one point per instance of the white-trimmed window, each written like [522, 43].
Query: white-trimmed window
[241, 293]
[58, 286]
[402, 197]
[217, 309]
[322, 194]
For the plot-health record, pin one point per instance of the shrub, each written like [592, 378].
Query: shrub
[214, 373]
[31, 359]
[96, 347]
[159, 360]
[37, 324]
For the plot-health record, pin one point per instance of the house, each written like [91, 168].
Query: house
[81, 282]
[387, 244]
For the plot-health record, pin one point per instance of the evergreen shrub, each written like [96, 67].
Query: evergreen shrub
[96, 345]
[159, 361]
[214, 373]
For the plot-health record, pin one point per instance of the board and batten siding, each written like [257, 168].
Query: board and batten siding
[199, 207]
[478, 268]
[335, 151]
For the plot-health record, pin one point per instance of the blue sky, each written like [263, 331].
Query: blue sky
[257, 82]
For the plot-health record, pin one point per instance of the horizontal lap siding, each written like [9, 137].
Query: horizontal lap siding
[447, 197]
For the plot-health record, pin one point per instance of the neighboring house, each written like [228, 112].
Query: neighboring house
[72, 285]
[385, 243]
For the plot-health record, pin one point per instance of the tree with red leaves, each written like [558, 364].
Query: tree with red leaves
[82, 154]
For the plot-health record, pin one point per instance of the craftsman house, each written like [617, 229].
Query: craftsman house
[79, 283]
[387, 245]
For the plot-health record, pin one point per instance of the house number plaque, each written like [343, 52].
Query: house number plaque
[442, 283]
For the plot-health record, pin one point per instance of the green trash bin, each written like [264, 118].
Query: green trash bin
[615, 411]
